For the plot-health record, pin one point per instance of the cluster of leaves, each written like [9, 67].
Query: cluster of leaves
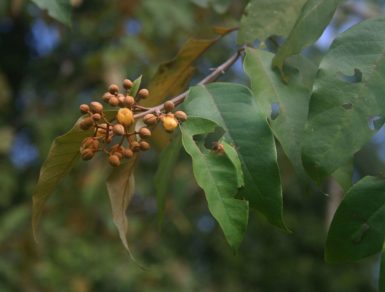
[320, 115]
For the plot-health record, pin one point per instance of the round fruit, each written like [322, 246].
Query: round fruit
[181, 116]
[143, 93]
[114, 160]
[113, 89]
[169, 122]
[144, 133]
[96, 107]
[84, 108]
[127, 83]
[169, 106]
[118, 129]
[86, 123]
[150, 119]
[125, 117]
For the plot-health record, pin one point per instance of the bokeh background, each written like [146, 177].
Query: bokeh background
[47, 70]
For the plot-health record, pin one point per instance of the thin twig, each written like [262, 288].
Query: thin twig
[209, 78]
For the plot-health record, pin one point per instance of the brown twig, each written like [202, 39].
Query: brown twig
[209, 78]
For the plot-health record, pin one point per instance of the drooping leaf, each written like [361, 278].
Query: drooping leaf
[233, 107]
[58, 9]
[233, 156]
[314, 17]
[285, 105]
[136, 86]
[381, 278]
[358, 229]
[347, 95]
[264, 18]
[121, 187]
[216, 175]
[63, 154]
[168, 159]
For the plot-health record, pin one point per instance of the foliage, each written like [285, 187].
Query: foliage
[297, 111]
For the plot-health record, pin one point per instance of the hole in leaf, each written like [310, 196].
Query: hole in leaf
[347, 106]
[375, 122]
[355, 78]
[275, 110]
[213, 137]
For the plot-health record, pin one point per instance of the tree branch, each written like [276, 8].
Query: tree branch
[209, 78]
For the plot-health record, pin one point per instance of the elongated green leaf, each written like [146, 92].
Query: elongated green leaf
[135, 86]
[381, 278]
[347, 94]
[358, 228]
[216, 175]
[289, 102]
[63, 154]
[264, 18]
[314, 17]
[163, 175]
[121, 187]
[233, 107]
[234, 158]
[58, 9]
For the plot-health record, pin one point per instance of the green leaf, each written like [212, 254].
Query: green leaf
[63, 154]
[136, 86]
[168, 159]
[358, 229]
[347, 96]
[216, 175]
[234, 158]
[233, 108]
[290, 102]
[220, 6]
[121, 187]
[344, 175]
[381, 281]
[58, 9]
[264, 18]
[314, 18]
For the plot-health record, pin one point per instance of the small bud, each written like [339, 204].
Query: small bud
[169, 106]
[113, 89]
[125, 117]
[114, 160]
[88, 143]
[106, 97]
[84, 108]
[135, 146]
[87, 154]
[143, 93]
[121, 99]
[144, 133]
[169, 122]
[118, 129]
[150, 119]
[218, 148]
[181, 116]
[96, 117]
[86, 124]
[127, 153]
[127, 84]
[114, 101]
[144, 145]
[128, 101]
[96, 107]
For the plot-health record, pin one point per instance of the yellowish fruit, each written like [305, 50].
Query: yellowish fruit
[125, 117]
[170, 123]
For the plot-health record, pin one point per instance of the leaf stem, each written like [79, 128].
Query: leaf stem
[209, 78]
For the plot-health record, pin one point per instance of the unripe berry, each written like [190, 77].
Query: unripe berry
[86, 124]
[135, 146]
[144, 145]
[106, 97]
[127, 152]
[143, 93]
[87, 154]
[127, 83]
[96, 117]
[114, 101]
[150, 119]
[128, 101]
[84, 108]
[181, 116]
[114, 160]
[121, 99]
[169, 106]
[144, 133]
[169, 122]
[96, 107]
[113, 89]
[118, 129]
[125, 117]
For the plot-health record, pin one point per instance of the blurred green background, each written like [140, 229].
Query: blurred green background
[47, 70]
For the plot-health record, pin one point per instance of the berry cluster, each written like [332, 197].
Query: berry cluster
[117, 137]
